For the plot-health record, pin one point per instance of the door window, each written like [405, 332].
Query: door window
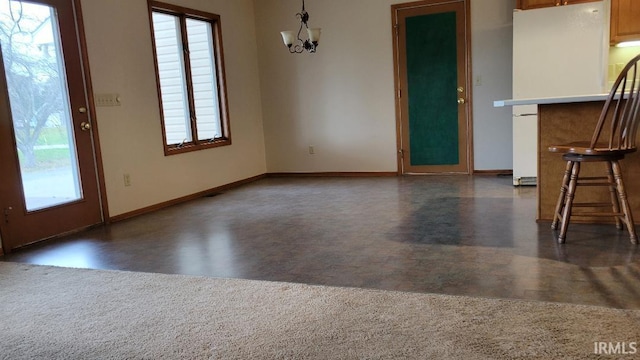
[42, 126]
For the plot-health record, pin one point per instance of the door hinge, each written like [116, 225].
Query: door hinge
[401, 153]
[399, 93]
[6, 213]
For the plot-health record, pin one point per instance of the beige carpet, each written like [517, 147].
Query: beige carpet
[61, 313]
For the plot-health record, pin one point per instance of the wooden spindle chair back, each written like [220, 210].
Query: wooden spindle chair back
[621, 111]
[614, 136]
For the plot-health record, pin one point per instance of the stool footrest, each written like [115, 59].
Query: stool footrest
[595, 183]
[593, 178]
[597, 214]
[592, 205]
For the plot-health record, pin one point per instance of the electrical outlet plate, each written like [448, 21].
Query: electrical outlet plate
[107, 99]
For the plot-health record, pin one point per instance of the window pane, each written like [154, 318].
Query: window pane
[173, 86]
[204, 79]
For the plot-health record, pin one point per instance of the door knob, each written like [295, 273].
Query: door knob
[85, 126]
[461, 101]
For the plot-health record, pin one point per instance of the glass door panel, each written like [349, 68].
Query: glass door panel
[39, 99]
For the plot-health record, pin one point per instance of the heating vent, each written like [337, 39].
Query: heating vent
[525, 180]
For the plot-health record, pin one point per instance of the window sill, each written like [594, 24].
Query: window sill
[174, 150]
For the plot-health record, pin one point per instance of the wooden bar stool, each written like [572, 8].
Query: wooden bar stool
[613, 138]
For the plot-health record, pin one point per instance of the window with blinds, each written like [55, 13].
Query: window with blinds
[190, 72]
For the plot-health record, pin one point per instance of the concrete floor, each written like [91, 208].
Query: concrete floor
[458, 235]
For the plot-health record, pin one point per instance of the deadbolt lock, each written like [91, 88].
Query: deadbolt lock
[460, 89]
[82, 110]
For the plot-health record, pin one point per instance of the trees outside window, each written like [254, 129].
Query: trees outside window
[32, 70]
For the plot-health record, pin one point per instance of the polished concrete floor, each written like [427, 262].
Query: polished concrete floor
[457, 235]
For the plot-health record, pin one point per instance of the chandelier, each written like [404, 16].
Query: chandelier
[295, 43]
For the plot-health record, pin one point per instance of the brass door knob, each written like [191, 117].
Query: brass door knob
[461, 101]
[85, 126]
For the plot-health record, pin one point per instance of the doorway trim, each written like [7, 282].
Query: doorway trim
[397, 67]
[97, 153]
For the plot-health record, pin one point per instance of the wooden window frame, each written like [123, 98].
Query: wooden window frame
[218, 57]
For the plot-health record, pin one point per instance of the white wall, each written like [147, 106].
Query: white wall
[492, 38]
[341, 99]
[121, 61]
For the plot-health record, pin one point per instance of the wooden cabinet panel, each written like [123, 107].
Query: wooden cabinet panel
[573, 2]
[535, 4]
[625, 24]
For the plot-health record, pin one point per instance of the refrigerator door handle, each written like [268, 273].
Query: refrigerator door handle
[519, 115]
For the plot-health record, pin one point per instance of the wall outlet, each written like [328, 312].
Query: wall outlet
[312, 149]
[127, 180]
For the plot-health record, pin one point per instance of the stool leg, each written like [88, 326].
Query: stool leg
[571, 191]
[561, 198]
[614, 196]
[622, 194]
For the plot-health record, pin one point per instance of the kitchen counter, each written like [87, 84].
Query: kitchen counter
[566, 119]
[551, 100]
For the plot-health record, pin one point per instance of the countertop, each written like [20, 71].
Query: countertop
[551, 100]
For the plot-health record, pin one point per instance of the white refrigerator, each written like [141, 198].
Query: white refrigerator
[557, 51]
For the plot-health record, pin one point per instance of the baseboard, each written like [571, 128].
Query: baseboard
[493, 172]
[332, 174]
[183, 199]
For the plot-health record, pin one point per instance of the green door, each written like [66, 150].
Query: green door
[432, 84]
